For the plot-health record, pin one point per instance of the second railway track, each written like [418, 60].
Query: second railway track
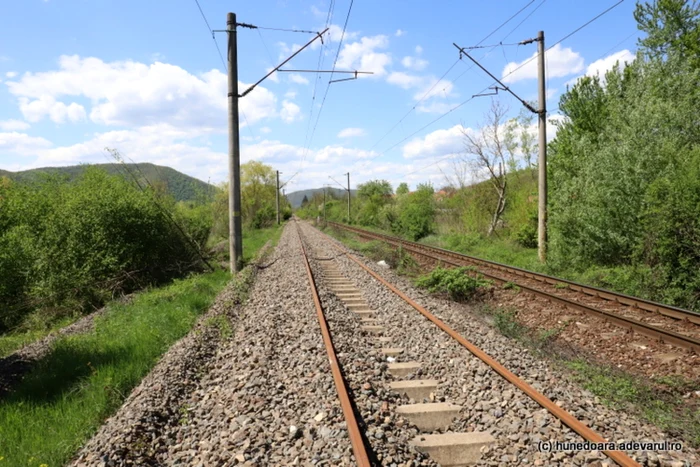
[668, 324]
[450, 431]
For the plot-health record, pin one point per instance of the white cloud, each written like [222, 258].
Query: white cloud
[427, 87]
[11, 74]
[335, 33]
[22, 144]
[274, 77]
[599, 67]
[318, 13]
[404, 80]
[290, 111]
[351, 132]
[160, 144]
[271, 151]
[47, 106]
[559, 61]
[603, 65]
[335, 154]
[435, 88]
[435, 107]
[414, 63]
[13, 125]
[363, 56]
[399, 33]
[290, 95]
[298, 79]
[436, 144]
[132, 94]
[265, 130]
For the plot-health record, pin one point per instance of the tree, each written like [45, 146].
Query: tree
[304, 201]
[672, 27]
[488, 151]
[373, 195]
[402, 189]
[416, 213]
[258, 187]
[519, 139]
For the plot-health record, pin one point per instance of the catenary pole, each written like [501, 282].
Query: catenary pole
[277, 197]
[324, 204]
[234, 162]
[542, 156]
[348, 174]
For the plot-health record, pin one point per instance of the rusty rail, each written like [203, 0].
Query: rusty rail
[642, 328]
[358, 445]
[618, 456]
[634, 302]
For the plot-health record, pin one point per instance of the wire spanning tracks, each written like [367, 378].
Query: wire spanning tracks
[486, 268]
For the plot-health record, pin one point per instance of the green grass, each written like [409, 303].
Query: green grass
[657, 400]
[41, 323]
[494, 249]
[15, 340]
[254, 239]
[69, 393]
[661, 403]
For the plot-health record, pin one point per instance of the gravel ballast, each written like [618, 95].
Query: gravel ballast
[263, 395]
[489, 403]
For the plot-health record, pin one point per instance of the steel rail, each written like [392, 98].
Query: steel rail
[618, 456]
[634, 302]
[358, 445]
[647, 330]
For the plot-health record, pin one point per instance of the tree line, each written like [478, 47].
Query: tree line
[68, 245]
[623, 170]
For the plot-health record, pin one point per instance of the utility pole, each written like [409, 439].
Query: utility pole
[542, 141]
[277, 197]
[234, 152]
[348, 174]
[542, 156]
[324, 205]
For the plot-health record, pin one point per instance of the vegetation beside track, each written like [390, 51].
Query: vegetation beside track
[85, 377]
[68, 394]
[662, 401]
[71, 243]
[623, 170]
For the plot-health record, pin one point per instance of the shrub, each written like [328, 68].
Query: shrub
[76, 244]
[455, 282]
[526, 235]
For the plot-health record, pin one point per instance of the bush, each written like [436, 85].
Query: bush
[264, 217]
[526, 236]
[76, 244]
[416, 213]
[455, 282]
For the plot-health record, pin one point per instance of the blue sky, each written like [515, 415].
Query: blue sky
[144, 77]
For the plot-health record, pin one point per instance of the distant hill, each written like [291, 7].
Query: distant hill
[296, 197]
[182, 187]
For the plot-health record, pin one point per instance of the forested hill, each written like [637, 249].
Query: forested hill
[180, 186]
[297, 197]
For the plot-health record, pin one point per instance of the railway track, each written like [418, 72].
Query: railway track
[631, 313]
[431, 418]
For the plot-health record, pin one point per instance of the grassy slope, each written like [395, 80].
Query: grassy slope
[658, 400]
[86, 377]
[35, 326]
